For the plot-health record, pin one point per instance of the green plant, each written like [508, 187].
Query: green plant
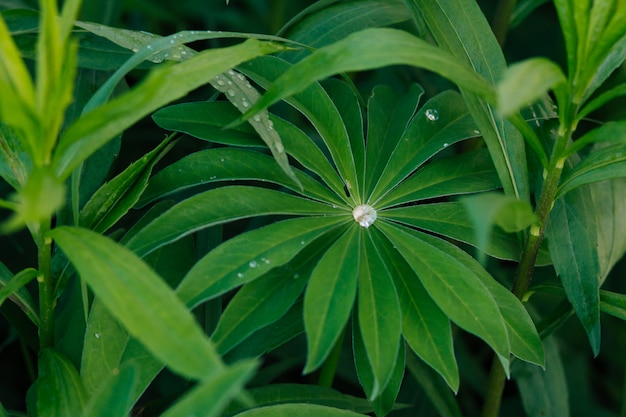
[351, 213]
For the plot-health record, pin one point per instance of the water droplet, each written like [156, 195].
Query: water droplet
[239, 275]
[149, 47]
[176, 56]
[135, 50]
[253, 264]
[296, 276]
[231, 93]
[445, 145]
[257, 118]
[302, 242]
[221, 82]
[270, 125]
[432, 115]
[364, 214]
[279, 147]
[183, 52]
[265, 261]
[231, 72]
[334, 205]
[229, 82]
[172, 41]
[241, 77]
[476, 132]
[248, 85]
[193, 32]
[97, 335]
[208, 31]
[212, 177]
[245, 104]
[222, 160]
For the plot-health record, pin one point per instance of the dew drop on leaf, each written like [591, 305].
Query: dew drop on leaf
[239, 275]
[253, 264]
[432, 115]
[97, 335]
[364, 214]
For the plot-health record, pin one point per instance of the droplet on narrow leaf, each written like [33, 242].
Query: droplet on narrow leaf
[364, 214]
[432, 115]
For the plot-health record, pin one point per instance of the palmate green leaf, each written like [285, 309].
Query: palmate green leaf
[425, 327]
[143, 303]
[60, 391]
[212, 395]
[300, 410]
[257, 304]
[115, 398]
[543, 392]
[300, 393]
[315, 104]
[459, 27]
[13, 287]
[572, 239]
[468, 172]
[453, 286]
[525, 82]
[379, 315]
[116, 197]
[163, 85]
[369, 49]
[604, 163]
[441, 122]
[325, 22]
[219, 206]
[250, 255]
[330, 295]
[206, 120]
[387, 118]
[224, 164]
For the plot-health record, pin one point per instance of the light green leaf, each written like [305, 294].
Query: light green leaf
[369, 49]
[300, 393]
[225, 164]
[219, 206]
[15, 161]
[609, 132]
[115, 397]
[387, 119]
[460, 27]
[250, 255]
[116, 197]
[300, 410]
[613, 304]
[572, 239]
[163, 85]
[60, 392]
[329, 296]
[379, 315]
[604, 163]
[453, 286]
[601, 100]
[525, 82]
[13, 287]
[543, 392]
[141, 301]
[213, 394]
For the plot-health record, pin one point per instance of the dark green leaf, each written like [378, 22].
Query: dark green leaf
[609, 132]
[613, 304]
[12, 286]
[329, 296]
[219, 206]
[453, 286]
[386, 401]
[601, 100]
[14, 158]
[115, 397]
[141, 301]
[572, 239]
[300, 410]
[250, 255]
[60, 392]
[523, 9]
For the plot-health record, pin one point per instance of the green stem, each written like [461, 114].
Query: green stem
[502, 18]
[327, 374]
[46, 289]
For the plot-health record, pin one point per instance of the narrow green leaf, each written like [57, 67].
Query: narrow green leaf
[13, 287]
[300, 393]
[601, 100]
[441, 122]
[60, 391]
[525, 82]
[116, 197]
[219, 206]
[369, 49]
[329, 296]
[387, 119]
[523, 9]
[386, 401]
[3, 411]
[256, 305]
[453, 286]
[250, 255]
[15, 162]
[464, 173]
[613, 304]
[543, 392]
[143, 303]
[213, 394]
[300, 410]
[115, 398]
[572, 239]
[460, 27]
[379, 315]
[224, 164]
[163, 85]
[611, 224]
[609, 132]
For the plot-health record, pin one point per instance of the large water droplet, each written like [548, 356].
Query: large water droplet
[364, 214]
[253, 264]
[432, 115]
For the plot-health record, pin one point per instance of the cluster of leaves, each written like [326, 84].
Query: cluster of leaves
[357, 228]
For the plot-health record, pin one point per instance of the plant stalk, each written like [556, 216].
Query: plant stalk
[46, 288]
[502, 19]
